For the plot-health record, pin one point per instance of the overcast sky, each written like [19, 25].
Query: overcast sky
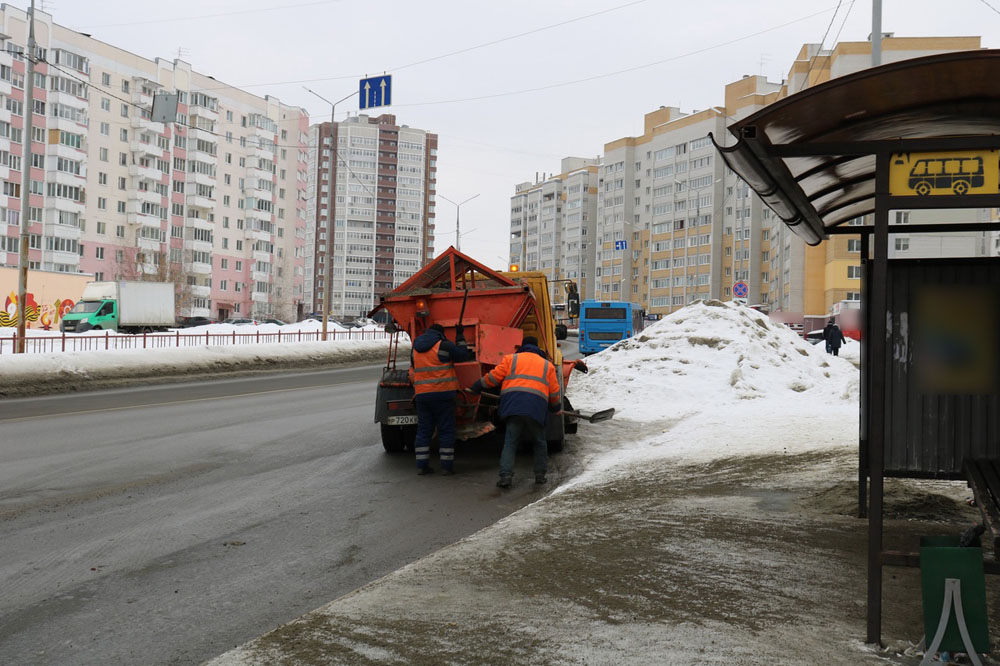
[489, 145]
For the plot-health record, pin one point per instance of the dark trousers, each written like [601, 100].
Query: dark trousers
[436, 410]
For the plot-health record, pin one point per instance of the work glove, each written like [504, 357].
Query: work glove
[476, 388]
[459, 333]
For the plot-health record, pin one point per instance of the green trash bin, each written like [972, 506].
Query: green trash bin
[942, 558]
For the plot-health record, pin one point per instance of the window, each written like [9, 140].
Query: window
[854, 272]
[99, 253]
[105, 79]
[902, 244]
[854, 245]
[902, 217]
[103, 154]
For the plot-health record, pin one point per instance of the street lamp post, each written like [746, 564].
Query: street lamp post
[328, 288]
[458, 210]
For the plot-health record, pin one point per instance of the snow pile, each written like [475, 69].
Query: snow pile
[706, 356]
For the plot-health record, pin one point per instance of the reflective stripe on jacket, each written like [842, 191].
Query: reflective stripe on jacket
[431, 374]
[526, 372]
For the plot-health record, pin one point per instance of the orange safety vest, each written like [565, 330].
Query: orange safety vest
[526, 372]
[430, 374]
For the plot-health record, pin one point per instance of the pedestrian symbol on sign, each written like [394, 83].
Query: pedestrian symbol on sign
[740, 289]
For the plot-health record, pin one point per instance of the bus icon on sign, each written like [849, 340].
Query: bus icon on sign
[954, 174]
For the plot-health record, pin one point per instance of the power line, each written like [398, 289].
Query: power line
[812, 61]
[444, 55]
[218, 15]
[990, 6]
[844, 22]
[620, 71]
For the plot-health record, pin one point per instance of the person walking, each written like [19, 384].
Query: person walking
[833, 337]
[529, 391]
[435, 385]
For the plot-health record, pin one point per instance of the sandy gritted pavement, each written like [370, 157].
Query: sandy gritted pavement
[693, 558]
[711, 522]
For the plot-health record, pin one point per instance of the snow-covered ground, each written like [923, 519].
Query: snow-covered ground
[709, 522]
[29, 374]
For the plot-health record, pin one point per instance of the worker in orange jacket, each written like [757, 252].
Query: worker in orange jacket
[529, 392]
[435, 384]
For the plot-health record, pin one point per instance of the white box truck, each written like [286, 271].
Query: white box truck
[128, 307]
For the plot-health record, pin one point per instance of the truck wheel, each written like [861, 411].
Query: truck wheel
[392, 438]
[408, 434]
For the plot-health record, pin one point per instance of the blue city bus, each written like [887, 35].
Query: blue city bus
[603, 323]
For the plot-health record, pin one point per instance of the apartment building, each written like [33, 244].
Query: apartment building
[674, 224]
[385, 178]
[553, 225]
[214, 202]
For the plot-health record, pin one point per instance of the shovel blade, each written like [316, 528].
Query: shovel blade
[596, 417]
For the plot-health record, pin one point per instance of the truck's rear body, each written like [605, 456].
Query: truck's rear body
[496, 310]
[122, 306]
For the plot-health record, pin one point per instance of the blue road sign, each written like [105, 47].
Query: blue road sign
[740, 289]
[621, 245]
[375, 91]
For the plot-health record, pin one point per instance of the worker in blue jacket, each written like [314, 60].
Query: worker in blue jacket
[529, 391]
[435, 384]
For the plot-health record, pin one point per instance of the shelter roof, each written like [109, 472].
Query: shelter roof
[811, 155]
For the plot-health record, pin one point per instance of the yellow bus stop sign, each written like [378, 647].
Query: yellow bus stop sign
[948, 173]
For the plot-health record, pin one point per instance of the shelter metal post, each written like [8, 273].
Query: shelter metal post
[865, 373]
[876, 395]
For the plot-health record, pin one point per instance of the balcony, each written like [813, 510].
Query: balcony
[260, 276]
[66, 99]
[149, 149]
[57, 257]
[200, 291]
[200, 155]
[67, 125]
[148, 244]
[200, 268]
[262, 257]
[202, 179]
[68, 205]
[198, 223]
[196, 133]
[146, 196]
[197, 245]
[145, 172]
[138, 122]
[197, 201]
[260, 297]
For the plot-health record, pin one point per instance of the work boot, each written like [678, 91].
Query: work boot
[424, 471]
[540, 479]
[447, 471]
[506, 481]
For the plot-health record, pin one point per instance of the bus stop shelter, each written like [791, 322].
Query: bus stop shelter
[917, 134]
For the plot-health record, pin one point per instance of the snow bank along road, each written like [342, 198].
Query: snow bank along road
[37, 374]
[711, 524]
[166, 524]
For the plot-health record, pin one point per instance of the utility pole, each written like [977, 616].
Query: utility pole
[328, 288]
[458, 211]
[29, 111]
[876, 33]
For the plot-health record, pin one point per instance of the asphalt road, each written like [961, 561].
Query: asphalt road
[167, 524]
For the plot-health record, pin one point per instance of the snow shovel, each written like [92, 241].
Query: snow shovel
[596, 417]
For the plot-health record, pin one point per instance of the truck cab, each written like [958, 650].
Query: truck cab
[97, 315]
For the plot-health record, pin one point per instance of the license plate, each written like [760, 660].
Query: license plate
[402, 420]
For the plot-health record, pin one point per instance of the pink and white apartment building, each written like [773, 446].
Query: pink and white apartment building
[215, 202]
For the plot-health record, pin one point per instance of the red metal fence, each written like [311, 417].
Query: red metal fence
[112, 341]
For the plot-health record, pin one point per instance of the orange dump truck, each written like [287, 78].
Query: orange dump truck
[496, 310]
